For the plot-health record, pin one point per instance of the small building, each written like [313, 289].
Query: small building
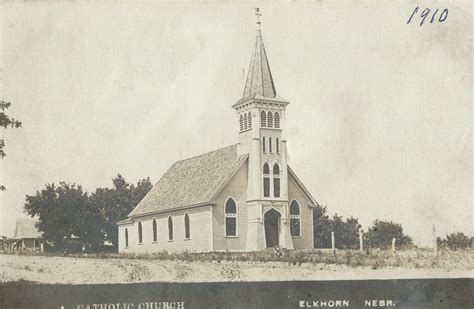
[244, 197]
[27, 236]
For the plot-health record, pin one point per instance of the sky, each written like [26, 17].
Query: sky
[379, 121]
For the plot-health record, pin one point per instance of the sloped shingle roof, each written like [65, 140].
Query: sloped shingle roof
[25, 228]
[259, 79]
[192, 181]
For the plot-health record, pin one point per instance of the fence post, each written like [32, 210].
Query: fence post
[333, 242]
[361, 241]
[393, 244]
[435, 241]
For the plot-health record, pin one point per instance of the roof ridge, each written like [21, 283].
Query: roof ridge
[206, 153]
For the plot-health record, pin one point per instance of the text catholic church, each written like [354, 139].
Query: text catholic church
[242, 197]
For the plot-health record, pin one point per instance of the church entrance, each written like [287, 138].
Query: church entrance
[272, 225]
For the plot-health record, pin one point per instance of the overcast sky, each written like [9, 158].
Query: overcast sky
[379, 124]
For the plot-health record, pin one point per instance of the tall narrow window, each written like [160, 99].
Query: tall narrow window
[277, 144]
[126, 237]
[263, 119]
[241, 122]
[263, 143]
[245, 121]
[155, 231]
[277, 120]
[270, 144]
[266, 180]
[270, 120]
[140, 234]
[250, 120]
[170, 228]
[187, 228]
[295, 218]
[276, 180]
[230, 209]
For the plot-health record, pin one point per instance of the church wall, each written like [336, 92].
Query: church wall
[245, 142]
[237, 189]
[200, 227]
[305, 241]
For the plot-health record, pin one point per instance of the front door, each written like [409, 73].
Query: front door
[272, 222]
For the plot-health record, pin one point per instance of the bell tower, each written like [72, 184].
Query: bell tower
[262, 115]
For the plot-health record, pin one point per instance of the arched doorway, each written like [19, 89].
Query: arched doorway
[272, 227]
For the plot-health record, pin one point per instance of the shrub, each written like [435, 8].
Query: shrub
[380, 235]
[455, 241]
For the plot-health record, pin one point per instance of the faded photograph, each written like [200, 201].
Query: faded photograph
[235, 141]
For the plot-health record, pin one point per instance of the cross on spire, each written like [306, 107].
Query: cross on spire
[258, 14]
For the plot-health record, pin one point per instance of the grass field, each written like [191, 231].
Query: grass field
[232, 266]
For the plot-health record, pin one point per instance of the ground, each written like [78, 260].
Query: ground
[218, 267]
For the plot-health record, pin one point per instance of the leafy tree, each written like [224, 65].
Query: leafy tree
[455, 241]
[116, 203]
[346, 232]
[322, 228]
[380, 235]
[65, 211]
[5, 122]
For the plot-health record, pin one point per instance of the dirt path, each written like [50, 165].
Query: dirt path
[71, 270]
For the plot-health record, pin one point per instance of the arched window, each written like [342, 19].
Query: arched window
[263, 143]
[187, 228]
[140, 234]
[270, 120]
[278, 145]
[170, 228]
[277, 120]
[250, 120]
[295, 218]
[245, 121]
[266, 169]
[230, 209]
[263, 119]
[276, 180]
[155, 231]
[266, 180]
[241, 122]
[270, 144]
[126, 237]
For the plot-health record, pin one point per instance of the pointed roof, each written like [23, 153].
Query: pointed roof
[259, 79]
[26, 228]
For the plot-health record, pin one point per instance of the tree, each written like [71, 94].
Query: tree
[116, 203]
[346, 232]
[322, 227]
[455, 241]
[65, 211]
[5, 122]
[380, 235]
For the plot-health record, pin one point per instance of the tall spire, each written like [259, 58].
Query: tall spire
[259, 78]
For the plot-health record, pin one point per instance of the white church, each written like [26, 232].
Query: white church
[243, 197]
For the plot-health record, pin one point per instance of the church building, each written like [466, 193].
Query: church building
[243, 197]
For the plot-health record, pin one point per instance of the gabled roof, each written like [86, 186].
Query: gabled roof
[26, 228]
[194, 181]
[302, 187]
[259, 78]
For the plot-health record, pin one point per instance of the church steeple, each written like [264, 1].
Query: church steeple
[259, 79]
[261, 115]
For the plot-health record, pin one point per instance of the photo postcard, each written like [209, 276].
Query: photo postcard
[231, 154]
